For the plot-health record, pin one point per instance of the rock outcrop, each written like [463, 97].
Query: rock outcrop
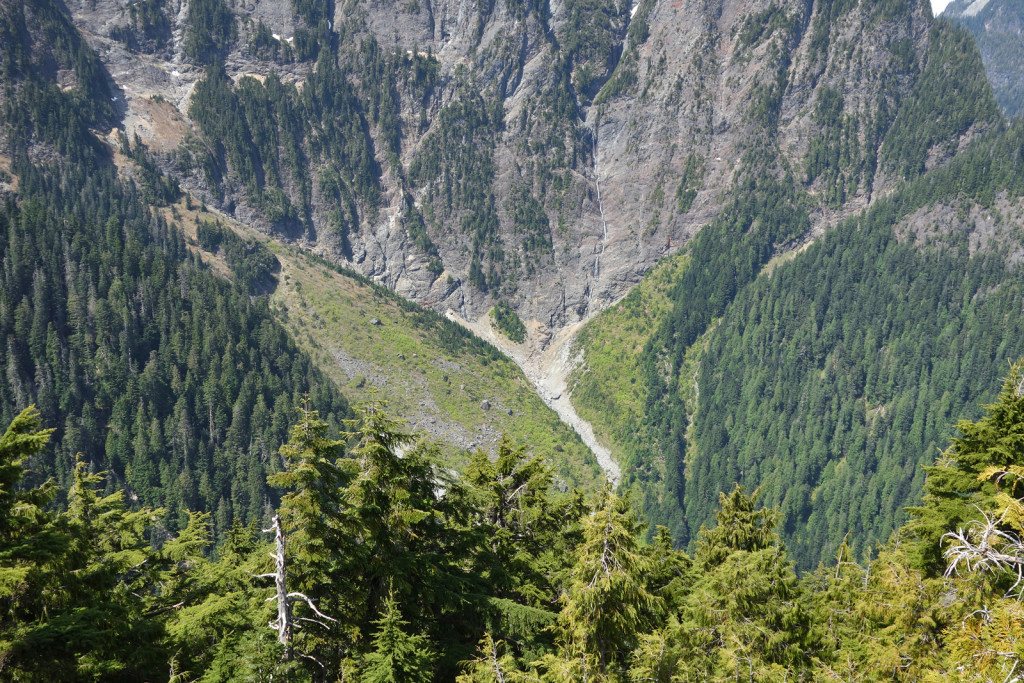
[544, 154]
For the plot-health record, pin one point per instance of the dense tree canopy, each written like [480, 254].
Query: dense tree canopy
[399, 572]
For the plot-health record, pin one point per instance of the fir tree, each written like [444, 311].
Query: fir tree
[955, 491]
[397, 656]
[606, 605]
[312, 519]
[744, 617]
[493, 664]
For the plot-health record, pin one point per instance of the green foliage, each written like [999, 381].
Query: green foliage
[727, 255]
[624, 76]
[508, 321]
[744, 615]
[826, 18]
[529, 220]
[313, 12]
[588, 38]
[492, 664]
[34, 108]
[689, 183]
[185, 372]
[606, 604]
[157, 188]
[849, 381]
[148, 30]
[610, 393]
[455, 164]
[86, 596]
[418, 231]
[871, 397]
[760, 26]
[265, 134]
[955, 492]
[1001, 46]
[527, 536]
[73, 586]
[183, 386]
[251, 261]
[397, 657]
[835, 155]
[150, 365]
[210, 31]
[950, 96]
[314, 479]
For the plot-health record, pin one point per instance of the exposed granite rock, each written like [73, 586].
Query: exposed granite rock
[663, 101]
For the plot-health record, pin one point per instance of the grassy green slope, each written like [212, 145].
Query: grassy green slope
[431, 371]
[610, 391]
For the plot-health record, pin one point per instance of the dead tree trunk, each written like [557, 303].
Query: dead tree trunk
[285, 619]
[283, 623]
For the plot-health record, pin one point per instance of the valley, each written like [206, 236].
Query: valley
[546, 160]
[543, 340]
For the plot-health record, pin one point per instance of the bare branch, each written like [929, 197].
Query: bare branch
[985, 547]
[309, 602]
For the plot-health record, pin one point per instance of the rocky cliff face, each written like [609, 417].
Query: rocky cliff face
[998, 29]
[542, 153]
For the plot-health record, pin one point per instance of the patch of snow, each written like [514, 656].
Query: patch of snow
[633, 11]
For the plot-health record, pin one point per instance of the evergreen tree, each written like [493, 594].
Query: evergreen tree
[76, 588]
[397, 656]
[744, 617]
[606, 606]
[317, 546]
[526, 538]
[29, 540]
[214, 615]
[409, 524]
[955, 491]
[493, 664]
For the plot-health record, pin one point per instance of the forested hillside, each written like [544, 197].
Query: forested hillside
[998, 30]
[830, 375]
[178, 382]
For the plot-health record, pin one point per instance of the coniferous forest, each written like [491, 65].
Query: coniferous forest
[384, 567]
[185, 495]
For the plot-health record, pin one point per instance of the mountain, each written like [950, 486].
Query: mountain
[543, 155]
[519, 167]
[998, 30]
[212, 217]
[827, 374]
[144, 326]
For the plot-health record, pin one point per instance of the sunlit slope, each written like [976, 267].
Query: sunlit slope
[832, 377]
[431, 371]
